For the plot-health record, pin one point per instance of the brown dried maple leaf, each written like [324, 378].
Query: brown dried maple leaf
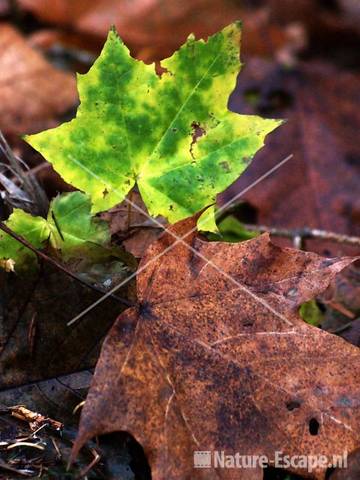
[153, 29]
[320, 103]
[33, 94]
[214, 361]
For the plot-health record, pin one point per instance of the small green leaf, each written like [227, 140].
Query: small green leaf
[33, 229]
[172, 135]
[68, 228]
[230, 229]
[72, 225]
[311, 313]
[207, 221]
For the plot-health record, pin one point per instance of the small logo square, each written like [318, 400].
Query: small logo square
[202, 459]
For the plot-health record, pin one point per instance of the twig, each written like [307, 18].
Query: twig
[25, 444]
[59, 455]
[342, 328]
[340, 308]
[34, 419]
[297, 235]
[91, 465]
[25, 473]
[305, 234]
[58, 265]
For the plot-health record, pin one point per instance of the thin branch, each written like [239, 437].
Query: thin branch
[306, 234]
[297, 235]
[58, 265]
[95, 461]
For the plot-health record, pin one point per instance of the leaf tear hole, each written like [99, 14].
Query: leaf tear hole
[197, 132]
[314, 426]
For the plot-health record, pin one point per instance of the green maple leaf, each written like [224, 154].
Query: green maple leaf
[134, 126]
[72, 226]
[68, 228]
[33, 229]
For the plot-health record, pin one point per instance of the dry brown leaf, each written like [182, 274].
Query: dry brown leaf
[153, 29]
[319, 187]
[4, 7]
[206, 364]
[35, 342]
[352, 9]
[132, 225]
[32, 92]
[352, 472]
[62, 12]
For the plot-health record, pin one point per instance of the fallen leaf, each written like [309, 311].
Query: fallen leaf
[31, 228]
[153, 29]
[319, 187]
[342, 302]
[69, 228]
[352, 472]
[352, 334]
[323, 24]
[35, 341]
[5, 8]
[347, 290]
[172, 135]
[311, 313]
[352, 9]
[131, 226]
[57, 11]
[215, 357]
[136, 231]
[33, 93]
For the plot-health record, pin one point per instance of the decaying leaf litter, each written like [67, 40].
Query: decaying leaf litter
[111, 274]
[207, 366]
